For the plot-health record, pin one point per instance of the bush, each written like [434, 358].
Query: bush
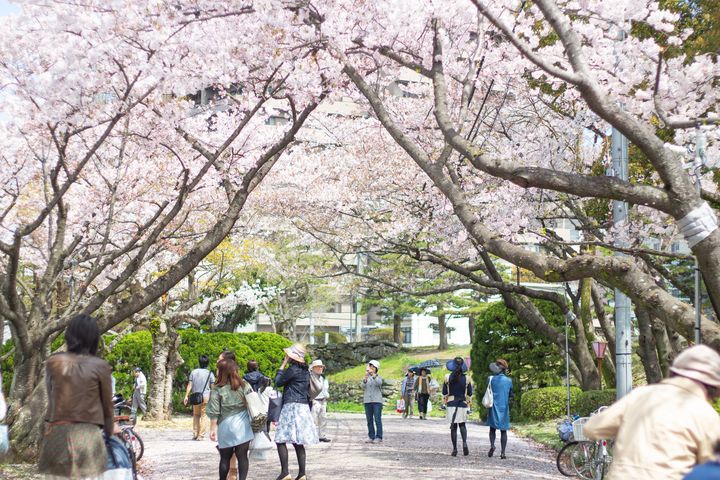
[548, 403]
[133, 350]
[385, 334]
[534, 361]
[591, 400]
[333, 337]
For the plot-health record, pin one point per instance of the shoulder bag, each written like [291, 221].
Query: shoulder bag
[197, 398]
[256, 410]
[487, 399]
[316, 386]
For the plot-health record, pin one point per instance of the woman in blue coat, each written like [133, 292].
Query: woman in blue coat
[499, 413]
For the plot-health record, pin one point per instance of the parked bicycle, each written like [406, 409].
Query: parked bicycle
[580, 457]
[127, 428]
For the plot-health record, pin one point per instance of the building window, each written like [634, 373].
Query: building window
[407, 334]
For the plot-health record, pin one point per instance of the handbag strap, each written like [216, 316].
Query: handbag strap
[207, 380]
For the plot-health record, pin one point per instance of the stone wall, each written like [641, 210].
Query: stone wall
[341, 356]
[353, 392]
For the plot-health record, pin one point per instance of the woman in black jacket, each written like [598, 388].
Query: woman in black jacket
[295, 424]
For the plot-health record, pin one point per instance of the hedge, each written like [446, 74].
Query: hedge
[386, 333]
[135, 350]
[591, 400]
[547, 403]
[333, 337]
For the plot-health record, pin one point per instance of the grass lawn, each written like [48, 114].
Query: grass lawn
[393, 367]
[543, 432]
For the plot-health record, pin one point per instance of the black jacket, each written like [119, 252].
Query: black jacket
[255, 379]
[296, 381]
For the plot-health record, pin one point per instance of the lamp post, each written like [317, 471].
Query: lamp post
[599, 349]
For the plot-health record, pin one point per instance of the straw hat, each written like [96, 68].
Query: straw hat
[317, 363]
[296, 352]
[700, 363]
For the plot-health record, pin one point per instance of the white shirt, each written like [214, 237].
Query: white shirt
[141, 383]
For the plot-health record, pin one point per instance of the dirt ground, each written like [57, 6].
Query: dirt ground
[411, 449]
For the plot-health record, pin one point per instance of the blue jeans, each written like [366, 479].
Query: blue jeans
[373, 413]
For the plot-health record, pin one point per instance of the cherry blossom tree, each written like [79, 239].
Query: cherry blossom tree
[116, 181]
[519, 92]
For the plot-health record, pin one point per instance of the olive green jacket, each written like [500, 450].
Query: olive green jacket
[224, 402]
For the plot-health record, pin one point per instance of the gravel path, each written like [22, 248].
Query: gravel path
[411, 449]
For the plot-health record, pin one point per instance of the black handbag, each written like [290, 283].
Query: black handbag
[197, 398]
[275, 407]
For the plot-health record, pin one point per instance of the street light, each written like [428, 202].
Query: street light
[599, 349]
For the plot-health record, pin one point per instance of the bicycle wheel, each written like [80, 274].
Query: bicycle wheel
[583, 460]
[137, 444]
[564, 459]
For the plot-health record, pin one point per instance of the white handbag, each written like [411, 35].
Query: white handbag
[487, 399]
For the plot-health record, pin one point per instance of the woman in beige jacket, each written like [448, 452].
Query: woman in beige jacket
[661, 431]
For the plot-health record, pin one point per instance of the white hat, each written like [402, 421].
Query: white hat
[375, 364]
[317, 363]
[700, 363]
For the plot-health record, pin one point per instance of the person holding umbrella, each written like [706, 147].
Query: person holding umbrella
[457, 393]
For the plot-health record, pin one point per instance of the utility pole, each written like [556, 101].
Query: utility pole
[700, 141]
[623, 327]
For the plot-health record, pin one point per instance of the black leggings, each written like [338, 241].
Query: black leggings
[283, 454]
[241, 452]
[453, 434]
[503, 438]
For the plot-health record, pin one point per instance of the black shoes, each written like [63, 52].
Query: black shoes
[466, 451]
[502, 455]
[454, 453]
[491, 451]
[325, 440]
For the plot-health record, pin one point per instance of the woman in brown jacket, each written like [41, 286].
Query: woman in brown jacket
[79, 389]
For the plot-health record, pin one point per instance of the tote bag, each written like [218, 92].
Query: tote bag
[257, 411]
[487, 399]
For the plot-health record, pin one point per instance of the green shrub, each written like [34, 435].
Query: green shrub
[333, 337]
[385, 334]
[588, 402]
[548, 403]
[534, 361]
[133, 350]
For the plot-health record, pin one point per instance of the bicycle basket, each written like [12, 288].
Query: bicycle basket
[565, 430]
[577, 426]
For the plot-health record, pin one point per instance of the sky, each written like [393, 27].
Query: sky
[7, 8]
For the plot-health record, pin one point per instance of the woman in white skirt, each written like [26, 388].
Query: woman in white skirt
[457, 393]
[229, 419]
[295, 424]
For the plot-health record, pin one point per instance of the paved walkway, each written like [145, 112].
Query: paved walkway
[411, 449]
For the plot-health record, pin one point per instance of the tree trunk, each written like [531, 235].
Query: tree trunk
[28, 402]
[662, 343]
[648, 347]
[471, 327]
[397, 332]
[174, 362]
[164, 364]
[442, 329]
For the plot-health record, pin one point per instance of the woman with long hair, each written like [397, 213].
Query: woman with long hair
[229, 420]
[80, 406]
[499, 413]
[295, 424]
[457, 391]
